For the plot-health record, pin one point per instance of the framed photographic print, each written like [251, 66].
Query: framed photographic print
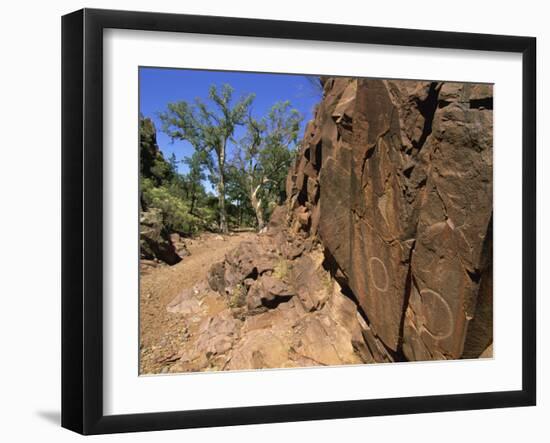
[269, 221]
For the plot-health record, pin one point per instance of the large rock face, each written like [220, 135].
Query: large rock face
[395, 179]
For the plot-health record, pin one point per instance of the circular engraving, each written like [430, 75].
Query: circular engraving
[379, 274]
[442, 327]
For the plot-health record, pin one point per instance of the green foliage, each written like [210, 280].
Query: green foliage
[249, 185]
[161, 170]
[152, 163]
[175, 195]
[237, 297]
[282, 269]
[208, 127]
[259, 169]
[175, 212]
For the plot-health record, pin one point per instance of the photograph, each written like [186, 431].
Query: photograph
[291, 220]
[275, 221]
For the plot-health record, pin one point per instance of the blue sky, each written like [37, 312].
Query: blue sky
[160, 86]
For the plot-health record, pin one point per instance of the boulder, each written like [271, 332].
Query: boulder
[268, 291]
[290, 336]
[179, 244]
[240, 263]
[154, 242]
[277, 221]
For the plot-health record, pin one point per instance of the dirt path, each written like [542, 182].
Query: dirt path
[162, 333]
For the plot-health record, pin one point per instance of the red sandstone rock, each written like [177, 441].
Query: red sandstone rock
[396, 179]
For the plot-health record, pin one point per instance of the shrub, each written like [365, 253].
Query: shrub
[175, 212]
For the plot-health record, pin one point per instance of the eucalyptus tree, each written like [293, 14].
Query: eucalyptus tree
[264, 155]
[209, 126]
[195, 176]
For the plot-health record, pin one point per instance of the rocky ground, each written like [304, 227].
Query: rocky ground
[162, 333]
[267, 302]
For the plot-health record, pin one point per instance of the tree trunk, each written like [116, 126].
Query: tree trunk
[257, 205]
[193, 198]
[221, 191]
[221, 203]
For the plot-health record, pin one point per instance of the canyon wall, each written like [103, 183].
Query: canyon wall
[394, 179]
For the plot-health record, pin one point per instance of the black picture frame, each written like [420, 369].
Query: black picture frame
[82, 218]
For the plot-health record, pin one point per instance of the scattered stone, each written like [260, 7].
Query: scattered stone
[216, 278]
